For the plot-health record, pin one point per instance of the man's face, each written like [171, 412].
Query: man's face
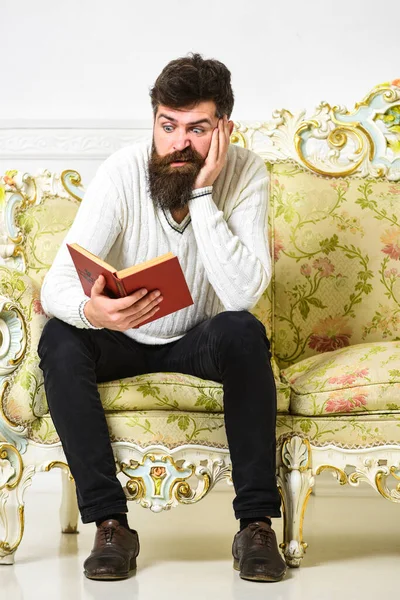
[175, 130]
[181, 141]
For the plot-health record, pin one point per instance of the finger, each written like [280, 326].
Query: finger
[213, 151]
[223, 140]
[227, 127]
[141, 307]
[221, 136]
[127, 301]
[230, 127]
[138, 321]
[98, 286]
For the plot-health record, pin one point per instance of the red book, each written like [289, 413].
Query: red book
[163, 273]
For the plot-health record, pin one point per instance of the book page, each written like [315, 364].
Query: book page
[144, 265]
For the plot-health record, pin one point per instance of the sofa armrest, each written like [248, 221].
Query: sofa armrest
[22, 319]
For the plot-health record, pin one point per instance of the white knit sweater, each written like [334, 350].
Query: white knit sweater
[221, 245]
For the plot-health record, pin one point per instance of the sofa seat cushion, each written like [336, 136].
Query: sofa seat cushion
[356, 379]
[172, 391]
[162, 391]
[155, 391]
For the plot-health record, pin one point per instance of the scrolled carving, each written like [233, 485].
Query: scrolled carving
[183, 492]
[11, 467]
[333, 142]
[13, 336]
[339, 475]
[13, 343]
[57, 464]
[348, 146]
[377, 466]
[382, 487]
[378, 477]
[14, 479]
[72, 183]
[158, 483]
[135, 488]
[238, 138]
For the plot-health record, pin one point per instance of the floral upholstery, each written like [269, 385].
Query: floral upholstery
[45, 226]
[176, 428]
[155, 391]
[170, 391]
[358, 379]
[336, 251]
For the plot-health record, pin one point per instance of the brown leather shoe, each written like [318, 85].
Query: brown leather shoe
[256, 555]
[114, 552]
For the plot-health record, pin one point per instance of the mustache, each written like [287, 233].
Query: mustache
[187, 154]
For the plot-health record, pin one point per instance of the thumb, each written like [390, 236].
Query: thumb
[98, 286]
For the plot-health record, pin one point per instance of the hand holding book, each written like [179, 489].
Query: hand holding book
[130, 297]
[120, 314]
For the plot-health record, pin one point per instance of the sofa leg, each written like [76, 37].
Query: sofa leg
[14, 480]
[69, 512]
[295, 481]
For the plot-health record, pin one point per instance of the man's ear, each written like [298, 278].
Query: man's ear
[231, 126]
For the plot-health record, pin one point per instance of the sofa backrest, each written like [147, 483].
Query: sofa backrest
[37, 215]
[335, 247]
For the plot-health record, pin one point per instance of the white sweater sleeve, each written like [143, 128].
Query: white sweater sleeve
[235, 252]
[96, 227]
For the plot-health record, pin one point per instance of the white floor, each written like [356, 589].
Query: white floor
[354, 553]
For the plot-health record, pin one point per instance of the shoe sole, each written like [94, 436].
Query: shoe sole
[109, 577]
[264, 578]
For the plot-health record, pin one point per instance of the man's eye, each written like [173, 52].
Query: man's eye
[197, 130]
[168, 128]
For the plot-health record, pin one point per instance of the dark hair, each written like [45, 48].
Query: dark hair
[191, 79]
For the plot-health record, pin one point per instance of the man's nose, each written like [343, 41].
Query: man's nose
[181, 141]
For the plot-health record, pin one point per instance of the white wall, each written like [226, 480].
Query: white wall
[76, 75]
[85, 59]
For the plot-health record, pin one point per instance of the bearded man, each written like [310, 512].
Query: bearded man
[189, 192]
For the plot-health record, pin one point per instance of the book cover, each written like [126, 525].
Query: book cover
[164, 274]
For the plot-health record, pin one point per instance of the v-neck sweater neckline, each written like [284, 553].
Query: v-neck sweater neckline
[179, 227]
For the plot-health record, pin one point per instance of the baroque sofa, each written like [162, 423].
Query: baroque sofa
[332, 312]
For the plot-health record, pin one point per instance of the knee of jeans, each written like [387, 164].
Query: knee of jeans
[58, 342]
[238, 327]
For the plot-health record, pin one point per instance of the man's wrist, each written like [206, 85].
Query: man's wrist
[84, 313]
[203, 183]
[202, 191]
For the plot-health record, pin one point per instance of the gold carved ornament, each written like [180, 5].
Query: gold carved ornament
[5, 449]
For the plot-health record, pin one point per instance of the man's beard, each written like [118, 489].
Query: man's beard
[171, 187]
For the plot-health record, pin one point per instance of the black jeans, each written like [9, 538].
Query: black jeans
[231, 348]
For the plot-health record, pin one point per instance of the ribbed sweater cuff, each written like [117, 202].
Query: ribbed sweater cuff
[204, 191]
[82, 315]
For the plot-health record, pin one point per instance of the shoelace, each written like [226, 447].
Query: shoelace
[262, 536]
[108, 533]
